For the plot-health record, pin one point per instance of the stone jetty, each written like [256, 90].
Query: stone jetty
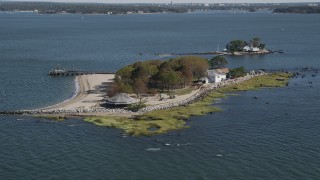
[66, 111]
[64, 72]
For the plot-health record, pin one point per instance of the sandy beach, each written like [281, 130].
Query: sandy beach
[91, 91]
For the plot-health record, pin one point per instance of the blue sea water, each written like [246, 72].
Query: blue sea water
[273, 136]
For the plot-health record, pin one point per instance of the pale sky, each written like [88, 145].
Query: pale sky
[176, 1]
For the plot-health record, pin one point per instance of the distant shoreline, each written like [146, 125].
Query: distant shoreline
[150, 8]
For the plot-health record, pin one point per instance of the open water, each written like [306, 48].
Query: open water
[272, 136]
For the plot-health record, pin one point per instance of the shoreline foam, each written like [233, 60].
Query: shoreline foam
[74, 95]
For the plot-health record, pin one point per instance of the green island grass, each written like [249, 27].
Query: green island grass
[264, 81]
[159, 121]
[163, 121]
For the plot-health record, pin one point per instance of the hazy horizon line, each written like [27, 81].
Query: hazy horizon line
[103, 2]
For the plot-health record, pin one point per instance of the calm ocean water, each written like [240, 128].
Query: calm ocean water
[273, 137]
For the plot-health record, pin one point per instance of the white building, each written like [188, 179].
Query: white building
[255, 49]
[217, 75]
[252, 49]
[246, 48]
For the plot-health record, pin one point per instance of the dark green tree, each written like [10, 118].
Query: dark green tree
[140, 87]
[186, 72]
[124, 74]
[173, 80]
[237, 72]
[218, 62]
[236, 45]
[200, 67]
[255, 42]
[262, 46]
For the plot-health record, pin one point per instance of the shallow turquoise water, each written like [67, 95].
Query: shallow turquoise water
[272, 137]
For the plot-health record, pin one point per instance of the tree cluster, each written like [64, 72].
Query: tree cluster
[156, 75]
[218, 62]
[236, 45]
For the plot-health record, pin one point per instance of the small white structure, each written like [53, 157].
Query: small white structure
[251, 49]
[246, 48]
[204, 80]
[252, 72]
[217, 75]
[255, 49]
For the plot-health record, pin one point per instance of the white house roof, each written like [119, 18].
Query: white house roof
[218, 71]
[121, 99]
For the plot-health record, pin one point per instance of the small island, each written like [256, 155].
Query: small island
[234, 48]
[241, 47]
[156, 96]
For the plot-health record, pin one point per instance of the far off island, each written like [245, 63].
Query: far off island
[239, 48]
[155, 96]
